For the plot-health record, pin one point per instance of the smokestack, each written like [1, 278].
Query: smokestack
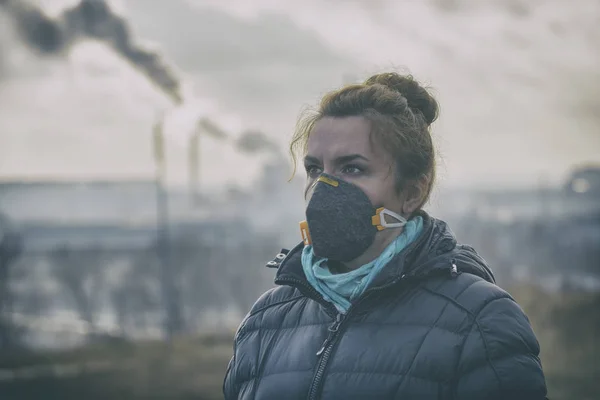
[193, 166]
[204, 126]
[90, 19]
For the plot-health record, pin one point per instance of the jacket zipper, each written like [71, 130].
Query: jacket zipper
[334, 335]
[324, 354]
[334, 329]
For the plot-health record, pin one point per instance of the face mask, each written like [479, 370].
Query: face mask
[341, 222]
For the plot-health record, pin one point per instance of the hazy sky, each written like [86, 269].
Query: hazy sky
[518, 84]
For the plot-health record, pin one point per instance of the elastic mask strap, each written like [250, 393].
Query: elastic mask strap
[381, 223]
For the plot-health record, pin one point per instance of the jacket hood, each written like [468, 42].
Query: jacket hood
[437, 247]
[435, 251]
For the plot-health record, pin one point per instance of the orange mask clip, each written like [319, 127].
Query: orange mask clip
[305, 233]
[377, 218]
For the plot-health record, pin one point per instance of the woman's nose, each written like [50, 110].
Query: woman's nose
[331, 171]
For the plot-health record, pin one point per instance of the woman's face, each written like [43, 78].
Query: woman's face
[342, 147]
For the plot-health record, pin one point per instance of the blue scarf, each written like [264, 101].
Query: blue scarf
[342, 289]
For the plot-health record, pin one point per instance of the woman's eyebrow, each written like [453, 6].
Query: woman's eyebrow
[338, 160]
[350, 157]
[311, 160]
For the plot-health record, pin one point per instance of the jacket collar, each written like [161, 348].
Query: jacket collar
[435, 250]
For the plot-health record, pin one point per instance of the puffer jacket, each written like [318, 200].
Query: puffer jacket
[433, 325]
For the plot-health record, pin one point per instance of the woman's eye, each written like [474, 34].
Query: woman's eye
[352, 170]
[313, 171]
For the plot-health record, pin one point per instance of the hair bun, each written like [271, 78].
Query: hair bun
[418, 97]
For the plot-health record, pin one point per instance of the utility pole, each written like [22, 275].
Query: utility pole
[173, 322]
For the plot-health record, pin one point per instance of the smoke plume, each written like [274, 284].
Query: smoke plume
[90, 19]
[253, 141]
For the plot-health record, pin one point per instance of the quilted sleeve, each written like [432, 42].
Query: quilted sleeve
[231, 384]
[229, 388]
[500, 357]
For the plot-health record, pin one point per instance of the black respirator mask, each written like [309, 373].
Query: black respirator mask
[341, 222]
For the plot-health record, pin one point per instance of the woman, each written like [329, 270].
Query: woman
[379, 301]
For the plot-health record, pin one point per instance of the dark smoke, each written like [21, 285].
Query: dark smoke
[36, 29]
[89, 19]
[255, 141]
[209, 127]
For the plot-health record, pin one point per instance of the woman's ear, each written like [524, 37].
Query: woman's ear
[414, 194]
